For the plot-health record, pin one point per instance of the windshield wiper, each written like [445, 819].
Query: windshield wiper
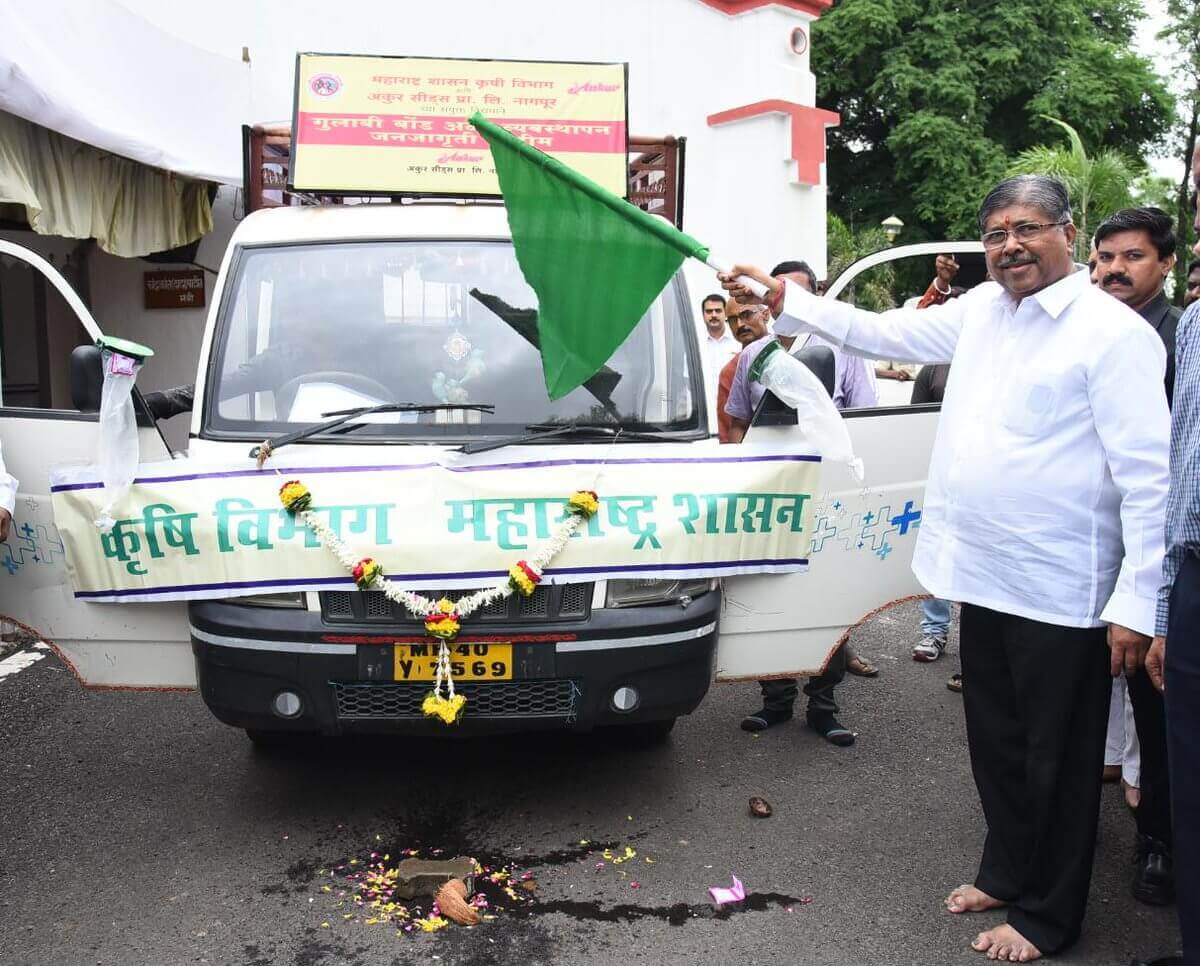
[342, 416]
[538, 431]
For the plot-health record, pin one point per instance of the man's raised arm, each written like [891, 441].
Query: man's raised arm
[905, 335]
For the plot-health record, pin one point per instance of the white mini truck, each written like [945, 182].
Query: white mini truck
[322, 308]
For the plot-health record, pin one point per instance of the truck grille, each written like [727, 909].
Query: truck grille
[517, 699]
[547, 603]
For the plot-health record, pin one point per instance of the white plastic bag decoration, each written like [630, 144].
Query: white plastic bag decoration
[820, 422]
[117, 448]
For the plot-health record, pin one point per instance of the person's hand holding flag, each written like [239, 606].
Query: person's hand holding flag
[734, 282]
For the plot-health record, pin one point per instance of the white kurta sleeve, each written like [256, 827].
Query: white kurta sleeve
[904, 335]
[1134, 426]
[8, 487]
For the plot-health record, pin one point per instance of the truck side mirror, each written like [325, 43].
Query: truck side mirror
[87, 378]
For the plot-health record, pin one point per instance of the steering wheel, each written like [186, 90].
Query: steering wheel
[285, 395]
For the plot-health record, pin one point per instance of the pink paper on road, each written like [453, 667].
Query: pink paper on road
[721, 896]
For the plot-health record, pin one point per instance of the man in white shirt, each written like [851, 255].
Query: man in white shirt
[1044, 515]
[8, 499]
[719, 346]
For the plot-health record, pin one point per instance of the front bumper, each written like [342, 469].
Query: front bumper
[564, 674]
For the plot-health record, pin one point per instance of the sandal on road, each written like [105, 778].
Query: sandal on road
[955, 683]
[760, 807]
[864, 669]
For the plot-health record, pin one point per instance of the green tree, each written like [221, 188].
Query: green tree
[1099, 184]
[1183, 33]
[845, 246]
[1156, 191]
[936, 96]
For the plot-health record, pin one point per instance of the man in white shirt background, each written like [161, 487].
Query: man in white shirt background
[8, 499]
[719, 346]
[1044, 515]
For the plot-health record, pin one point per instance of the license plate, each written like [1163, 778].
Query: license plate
[468, 662]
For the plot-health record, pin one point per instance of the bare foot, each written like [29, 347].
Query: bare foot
[966, 898]
[1006, 944]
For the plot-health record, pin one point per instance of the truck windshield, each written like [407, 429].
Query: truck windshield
[310, 329]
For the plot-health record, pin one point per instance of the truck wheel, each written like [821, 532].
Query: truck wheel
[644, 734]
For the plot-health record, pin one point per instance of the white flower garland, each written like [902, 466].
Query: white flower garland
[442, 617]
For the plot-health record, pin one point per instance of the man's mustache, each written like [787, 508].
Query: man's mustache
[1016, 260]
[744, 330]
[1117, 278]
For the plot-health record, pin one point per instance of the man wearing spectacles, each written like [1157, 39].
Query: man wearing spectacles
[1044, 515]
[853, 387]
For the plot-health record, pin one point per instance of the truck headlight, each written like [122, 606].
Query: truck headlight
[641, 591]
[295, 600]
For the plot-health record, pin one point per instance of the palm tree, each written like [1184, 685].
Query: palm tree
[1099, 185]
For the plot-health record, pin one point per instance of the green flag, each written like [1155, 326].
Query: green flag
[595, 261]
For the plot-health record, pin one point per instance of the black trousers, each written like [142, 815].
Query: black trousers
[1183, 745]
[780, 694]
[1036, 702]
[1149, 713]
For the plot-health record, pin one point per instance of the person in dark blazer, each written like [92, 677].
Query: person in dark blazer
[1135, 252]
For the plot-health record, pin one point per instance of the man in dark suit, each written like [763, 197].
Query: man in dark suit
[1135, 252]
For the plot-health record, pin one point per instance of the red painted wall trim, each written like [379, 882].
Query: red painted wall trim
[808, 131]
[814, 8]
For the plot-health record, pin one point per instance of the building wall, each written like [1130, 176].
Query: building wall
[687, 60]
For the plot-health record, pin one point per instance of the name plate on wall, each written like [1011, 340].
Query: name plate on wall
[177, 289]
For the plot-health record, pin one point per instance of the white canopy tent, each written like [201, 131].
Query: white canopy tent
[97, 73]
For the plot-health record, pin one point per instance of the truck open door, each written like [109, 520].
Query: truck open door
[106, 645]
[862, 534]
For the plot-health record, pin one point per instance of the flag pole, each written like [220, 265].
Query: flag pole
[753, 285]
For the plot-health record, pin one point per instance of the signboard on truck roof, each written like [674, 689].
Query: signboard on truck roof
[398, 125]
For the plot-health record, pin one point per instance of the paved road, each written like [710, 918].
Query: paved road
[137, 829]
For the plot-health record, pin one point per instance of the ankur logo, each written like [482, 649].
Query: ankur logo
[593, 87]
